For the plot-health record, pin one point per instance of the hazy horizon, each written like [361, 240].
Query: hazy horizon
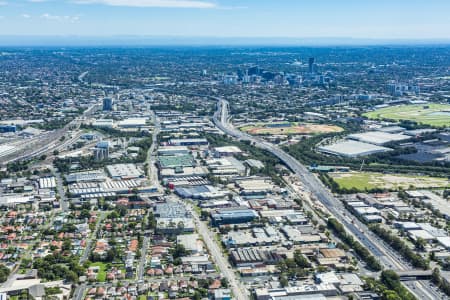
[289, 19]
[144, 40]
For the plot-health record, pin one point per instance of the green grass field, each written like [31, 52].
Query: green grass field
[437, 115]
[369, 180]
[101, 276]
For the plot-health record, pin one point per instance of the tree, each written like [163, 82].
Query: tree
[4, 273]
[301, 260]
[391, 295]
[420, 244]
[204, 215]
[436, 277]
[85, 214]
[67, 245]
[283, 280]
[179, 251]
[224, 282]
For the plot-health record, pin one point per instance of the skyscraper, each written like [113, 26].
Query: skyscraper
[311, 65]
[107, 103]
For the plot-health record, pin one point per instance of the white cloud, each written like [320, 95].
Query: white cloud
[50, 17]
[2, 3]
[152, 3]
[25, 16]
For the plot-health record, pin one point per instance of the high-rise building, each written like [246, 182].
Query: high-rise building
[311, 65]
[107, 103]
[101, 150]
[230, 79]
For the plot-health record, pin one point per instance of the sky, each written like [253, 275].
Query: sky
[374, 19]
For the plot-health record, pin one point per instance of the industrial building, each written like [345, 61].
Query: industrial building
[176, 161]
[170, 210]
[226, 166]
[174, 226]
[189, 142]
[132, 123]
[47, 182]
[352, 149]
[233, 216]
[103, 123]
[378, 138]
[181, 172]
[226, 151]
[124, 171]
[95, 176]
[173, 150]
[201, 192]
[251, 257]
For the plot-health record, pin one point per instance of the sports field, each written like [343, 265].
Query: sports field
[370, 180]
[437, 115]
[289, 128]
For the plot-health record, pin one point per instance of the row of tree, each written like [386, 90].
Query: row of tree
[437, 279]
[359, 249]
[389, 286]
[400, 246]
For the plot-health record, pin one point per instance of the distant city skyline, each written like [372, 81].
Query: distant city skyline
[352, 19]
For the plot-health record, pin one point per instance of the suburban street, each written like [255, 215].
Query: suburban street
[92, 238]
[239, 291]
[151, 157]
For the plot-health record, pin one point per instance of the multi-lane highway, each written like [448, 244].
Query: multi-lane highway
[388, 257]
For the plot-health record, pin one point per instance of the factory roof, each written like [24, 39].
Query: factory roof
[124, 171]
[228, 149]
[378, 137]
[353, 149]
[175, 161]
[132, 122]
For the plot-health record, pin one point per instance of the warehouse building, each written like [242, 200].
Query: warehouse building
[173, 150]
[226, 166]
[233, 216]
[132, 123]
[226, 151]
[103, 123]
[170, 210]
[317, 291]
[96, 176]
[47, 182]
[176, 161]
[252, 257]
[378, 138]
[174, 226]
[201, 192]
[183, 172]
[124, 171]
[189, 142]
[352, 149]
[254, 186]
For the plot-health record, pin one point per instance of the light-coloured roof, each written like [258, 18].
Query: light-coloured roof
[353, 148]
